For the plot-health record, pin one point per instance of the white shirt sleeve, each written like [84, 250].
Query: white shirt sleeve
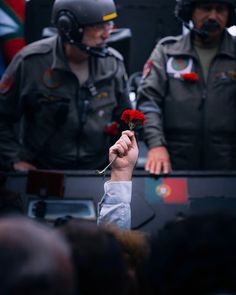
[115, 204]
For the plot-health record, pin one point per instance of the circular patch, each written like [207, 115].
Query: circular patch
[51, 79]
[179, 64]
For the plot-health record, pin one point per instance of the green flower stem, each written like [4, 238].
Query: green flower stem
[102, 172]
[131, 125]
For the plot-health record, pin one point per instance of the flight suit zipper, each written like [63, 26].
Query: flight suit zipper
[86, 92]
[203, 131]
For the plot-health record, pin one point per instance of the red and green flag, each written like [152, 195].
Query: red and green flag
[166, 190]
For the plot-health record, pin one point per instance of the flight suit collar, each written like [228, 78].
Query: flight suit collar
[227, 46]
[97, 65]
[184, 46]
[59, 58]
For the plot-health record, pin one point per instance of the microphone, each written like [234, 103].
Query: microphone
[201, 33]
[95, 51]
[210, 25]
[207, 26]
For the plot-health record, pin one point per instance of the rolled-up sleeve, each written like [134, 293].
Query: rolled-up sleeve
[114, 207]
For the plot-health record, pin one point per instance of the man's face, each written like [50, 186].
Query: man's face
[210, 17]
[97, 35]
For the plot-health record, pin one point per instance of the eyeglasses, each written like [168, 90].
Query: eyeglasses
[106, 26]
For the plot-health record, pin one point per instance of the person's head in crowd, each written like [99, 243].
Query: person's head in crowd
[209, 17]
[34, 259]
[98, 261]
[135, 247]
[195, 255]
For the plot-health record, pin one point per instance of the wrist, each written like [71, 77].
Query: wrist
[121, 175]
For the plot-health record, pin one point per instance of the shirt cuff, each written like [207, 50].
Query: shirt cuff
[118, 192]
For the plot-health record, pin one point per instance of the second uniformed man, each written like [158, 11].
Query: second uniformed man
[188, 92]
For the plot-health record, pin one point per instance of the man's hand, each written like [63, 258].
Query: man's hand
[126, 150]
[158, 161]
[23, 166]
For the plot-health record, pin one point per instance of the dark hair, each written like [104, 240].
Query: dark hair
[195, 255]
[34, 259]
[97, 257]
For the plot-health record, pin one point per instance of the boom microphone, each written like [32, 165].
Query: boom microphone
[201, 33]
[95, 51]
[207, 26]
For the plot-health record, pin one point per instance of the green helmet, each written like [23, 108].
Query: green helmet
[183, 9]
[71, 16]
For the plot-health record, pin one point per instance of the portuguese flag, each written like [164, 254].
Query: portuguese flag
[166, 190]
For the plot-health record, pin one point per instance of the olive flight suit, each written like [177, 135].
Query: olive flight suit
[194, 119]
[62, 123]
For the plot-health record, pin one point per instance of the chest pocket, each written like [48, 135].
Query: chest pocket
[225, 78]
[52, 108]
[225, 84]
[102, 105]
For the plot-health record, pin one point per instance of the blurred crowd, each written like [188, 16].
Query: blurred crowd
[194, 255]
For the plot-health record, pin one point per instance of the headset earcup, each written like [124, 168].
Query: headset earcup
[65, 23]
[69, 27]
[183, 10]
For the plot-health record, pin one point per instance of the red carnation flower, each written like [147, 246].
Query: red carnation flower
[112, 129]
[192, 76]
[133, 118]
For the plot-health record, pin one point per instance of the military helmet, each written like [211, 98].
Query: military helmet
[183, 9]
[71, 16]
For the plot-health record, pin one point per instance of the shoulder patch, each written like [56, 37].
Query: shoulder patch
[115, 53]
[169, 40]
[6, 84]
[38, 47]
[147, 68]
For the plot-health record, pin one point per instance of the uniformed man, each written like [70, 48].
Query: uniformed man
[66, 89]
[188, 92]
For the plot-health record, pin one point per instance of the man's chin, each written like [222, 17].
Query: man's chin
[215, 33]
[212, 37]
